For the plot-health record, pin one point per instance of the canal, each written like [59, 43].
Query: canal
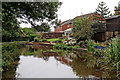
[45, 62]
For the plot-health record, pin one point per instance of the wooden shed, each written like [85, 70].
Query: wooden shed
[113, 23]
[109, 30]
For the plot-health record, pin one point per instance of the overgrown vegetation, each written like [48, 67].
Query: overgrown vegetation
[28, 31]
[10, 55]
[82, 29]
[110, 56]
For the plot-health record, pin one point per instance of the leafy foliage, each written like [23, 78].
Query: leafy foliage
[90, 46]
[32, 12]
[82, 29]
[10, 55]
[29, 31]
[10, 28]
[112, 55]
[43, 27]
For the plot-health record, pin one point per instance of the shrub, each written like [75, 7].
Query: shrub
[10, 54]
[82, 29]
[36, 39]
[59, 40]
[90, 46]
[44, 40]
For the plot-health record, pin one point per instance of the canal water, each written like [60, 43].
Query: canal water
[45, 62]
[34, 67]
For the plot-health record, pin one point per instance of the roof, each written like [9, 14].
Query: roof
[113, 17]
[81, 16]
[67, 21]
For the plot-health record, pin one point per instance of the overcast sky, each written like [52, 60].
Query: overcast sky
[72, 8]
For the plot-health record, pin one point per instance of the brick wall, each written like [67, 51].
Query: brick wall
[52, 35]
[63, 27]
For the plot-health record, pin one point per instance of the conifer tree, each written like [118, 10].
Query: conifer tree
[102, 10]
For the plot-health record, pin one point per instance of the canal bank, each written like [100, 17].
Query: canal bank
[31, 54]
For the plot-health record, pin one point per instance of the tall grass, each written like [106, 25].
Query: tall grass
[112, 56]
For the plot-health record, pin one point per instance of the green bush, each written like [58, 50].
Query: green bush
[36, 39]
[74, 47]
[69, 47]
[10, 54]
[90, 46]
[44, 40]
[59, 40]
[52, 40]
[56, 46]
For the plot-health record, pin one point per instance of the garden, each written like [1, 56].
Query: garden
[81, 55]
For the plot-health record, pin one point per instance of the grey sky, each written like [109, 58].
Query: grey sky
[73, 8]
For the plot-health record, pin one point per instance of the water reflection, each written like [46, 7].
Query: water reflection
[33, 67]
[49, 64]
[45, 62]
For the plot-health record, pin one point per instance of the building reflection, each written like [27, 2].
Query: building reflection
[79, 65]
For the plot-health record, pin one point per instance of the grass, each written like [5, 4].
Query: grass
[52, 40]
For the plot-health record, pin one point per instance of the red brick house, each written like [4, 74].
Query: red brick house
[101, 35]
[64, 26]
[67, 25]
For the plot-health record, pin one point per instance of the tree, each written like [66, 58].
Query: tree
[102, 11]
[31, 11]
[29, 31]
[10, 27]
[43, 27]
[82, 29]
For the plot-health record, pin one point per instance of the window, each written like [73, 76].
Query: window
[68, 25]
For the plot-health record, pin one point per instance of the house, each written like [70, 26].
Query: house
[104, 31]
[67, 25]
[111, 27]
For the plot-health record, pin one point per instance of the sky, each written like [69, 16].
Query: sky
[72, 8]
